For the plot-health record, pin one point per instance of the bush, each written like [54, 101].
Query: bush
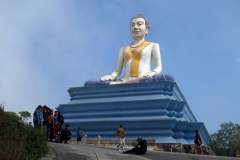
[18, 141]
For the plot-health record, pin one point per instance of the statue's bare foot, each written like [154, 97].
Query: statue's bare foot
[117, 82]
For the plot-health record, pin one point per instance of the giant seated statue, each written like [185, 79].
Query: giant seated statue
[136, 58]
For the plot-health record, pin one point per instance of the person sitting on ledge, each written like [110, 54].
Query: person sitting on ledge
[140, 148]
[136, 58]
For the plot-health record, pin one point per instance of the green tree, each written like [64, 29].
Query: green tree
[2, 106]
[226, 141]
[18, 141]
[14, 115]
[25, 114]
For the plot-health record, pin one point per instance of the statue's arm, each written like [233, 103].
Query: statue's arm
[157, 61]
[120, 63]
[157, 58]
[118, 69]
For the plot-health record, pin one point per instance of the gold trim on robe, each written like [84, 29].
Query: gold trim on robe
[135, 56]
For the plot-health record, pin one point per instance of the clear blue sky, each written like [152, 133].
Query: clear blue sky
[47, 47]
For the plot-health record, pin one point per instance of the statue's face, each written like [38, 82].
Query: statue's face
[138, 28]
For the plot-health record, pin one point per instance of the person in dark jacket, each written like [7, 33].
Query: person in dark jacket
[45, 116]
[197, 142]
[60, 118]
[50, 121]
[140, 148]
[66, 134]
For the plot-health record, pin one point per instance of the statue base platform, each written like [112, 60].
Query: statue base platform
[155, 110]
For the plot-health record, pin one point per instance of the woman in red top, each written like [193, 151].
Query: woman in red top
[55, 133]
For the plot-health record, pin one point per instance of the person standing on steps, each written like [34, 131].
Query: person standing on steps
[37, 117]
[121, 136]
[55, 117]
[79, 135]
[45, 115]
[60, 118]
[50, 121]
[197, 142]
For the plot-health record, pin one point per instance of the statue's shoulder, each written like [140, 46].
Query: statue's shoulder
[155, 44]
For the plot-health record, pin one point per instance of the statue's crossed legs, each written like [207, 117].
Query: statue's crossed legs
[162, 77]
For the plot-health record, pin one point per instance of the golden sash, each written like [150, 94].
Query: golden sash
[135, 56]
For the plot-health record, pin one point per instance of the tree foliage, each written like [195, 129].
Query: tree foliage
[14, 115]
[25, 114]
[18, 141]
[226, 141]
[2, 106]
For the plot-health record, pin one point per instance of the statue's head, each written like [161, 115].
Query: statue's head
[139, 26]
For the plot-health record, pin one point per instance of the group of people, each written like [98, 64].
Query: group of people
[44, 119]
[29, 125]
[59, 135]
[141, 146]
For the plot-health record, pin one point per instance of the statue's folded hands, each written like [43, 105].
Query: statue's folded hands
[150, 74]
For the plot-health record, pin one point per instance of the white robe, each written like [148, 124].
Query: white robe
[149, 52]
